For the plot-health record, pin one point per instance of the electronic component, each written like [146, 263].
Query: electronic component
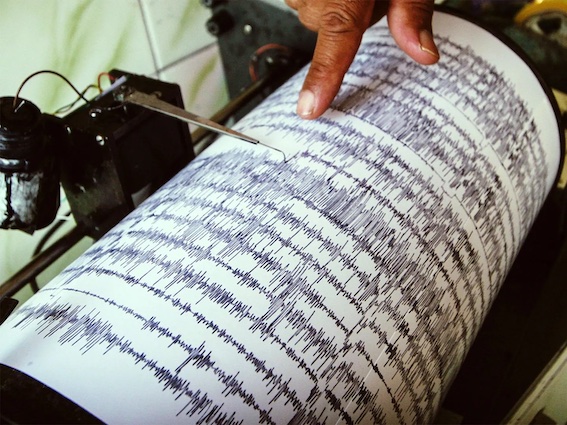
[109, 156]
[117, 154]
[29, 166]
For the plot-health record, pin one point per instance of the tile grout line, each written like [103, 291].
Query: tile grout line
[153, 47]
[197, 52]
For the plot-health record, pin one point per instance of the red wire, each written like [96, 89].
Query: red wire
[260, 51]
[99, 78]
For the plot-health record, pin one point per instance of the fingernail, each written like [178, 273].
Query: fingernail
[427, 44]
[306, 103]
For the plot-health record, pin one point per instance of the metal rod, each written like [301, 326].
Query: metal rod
[41, 261]
[153, 103]
[233, 106]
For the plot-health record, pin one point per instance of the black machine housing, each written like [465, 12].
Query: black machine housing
[117, 154]
[244, 28]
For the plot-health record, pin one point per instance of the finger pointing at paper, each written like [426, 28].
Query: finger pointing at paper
[340, 25]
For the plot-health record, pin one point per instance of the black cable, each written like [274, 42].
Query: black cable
[67, 107]
[45, 71]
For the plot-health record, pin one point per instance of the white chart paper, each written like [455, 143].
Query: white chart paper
[343, 285]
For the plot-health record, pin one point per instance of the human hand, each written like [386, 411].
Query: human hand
[340, 25]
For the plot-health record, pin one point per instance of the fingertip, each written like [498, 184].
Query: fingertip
[410, 24]
[418, 45]
[340, 28]
[306, 104]
[427, 45]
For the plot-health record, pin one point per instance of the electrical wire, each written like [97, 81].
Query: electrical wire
[255, 57]
[69, 106]
[45, 71]
[99, 80]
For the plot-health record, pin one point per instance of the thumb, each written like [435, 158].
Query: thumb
[342, 24]
[410, 25]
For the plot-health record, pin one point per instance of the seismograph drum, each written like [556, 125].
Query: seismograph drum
[342, 284]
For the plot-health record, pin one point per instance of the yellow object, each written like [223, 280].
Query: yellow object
[540, 7]
[547, 18]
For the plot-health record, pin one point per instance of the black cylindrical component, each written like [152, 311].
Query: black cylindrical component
[20, 134]
[29, 172]
[219, 23]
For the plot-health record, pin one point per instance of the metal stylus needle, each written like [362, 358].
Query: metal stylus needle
[153, 103]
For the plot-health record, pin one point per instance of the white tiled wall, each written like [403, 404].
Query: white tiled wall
[80, 39]
[168, 28]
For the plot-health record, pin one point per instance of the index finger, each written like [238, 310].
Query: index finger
[342, 25]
